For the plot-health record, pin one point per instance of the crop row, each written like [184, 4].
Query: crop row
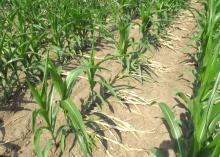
[201, 136]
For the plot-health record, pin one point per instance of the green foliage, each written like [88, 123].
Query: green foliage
[203, 108]
[91, 68]
[32, 29]
[174, 128]
[29, 29]
[48, 111]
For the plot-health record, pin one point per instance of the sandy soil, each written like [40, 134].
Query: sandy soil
[172, 64]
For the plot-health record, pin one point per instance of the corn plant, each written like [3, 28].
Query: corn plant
[91, 68]
[123, 43]
[48, 111]
[133, 63]
[164, 13]
[146, 14]
[205, 136]
[203, 108]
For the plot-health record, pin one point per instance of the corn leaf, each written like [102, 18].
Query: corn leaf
[77, 122]
[57, 81]
[174, 128]
[36, 95]
[47, 148]
[37, 137]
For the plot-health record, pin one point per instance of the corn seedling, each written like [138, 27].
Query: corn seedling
[91, 69]
[48, 111]
[146, 15]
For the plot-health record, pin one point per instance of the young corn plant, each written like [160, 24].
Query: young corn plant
[203, 113]
[48, 111]
[204, 130]
[133, 63]
[146, 14]
[91, 68]
[147, 26]
[164, 13]
[123, 43]
[31, 28]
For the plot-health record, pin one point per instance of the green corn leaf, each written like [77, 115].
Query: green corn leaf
[44, 88]
[102, 99]
[101, 68]
[78, 124]
[54, 111]
[74, 114]
[201, 129]
[37, 137]
[214, 142]
[213, 123]
[47, 148]
[174, 128]
[216, 110]
[12, 60]
[34, 117]
[211, 101]
[92, 55]
[50, 98]
[205, 121]
[41, 112]
[157, 152]
[60, 129]
[109, 87]
[72, 78]
[83, 145]
[105, 59]
[57, 81]
[216, 152]
[36, 95]
[62, 141]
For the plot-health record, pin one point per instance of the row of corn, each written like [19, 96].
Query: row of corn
[201, 134]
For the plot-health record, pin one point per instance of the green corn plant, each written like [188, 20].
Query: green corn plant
[146, 14]
[71, 24]
[165, 11]
[203, 108]
[91, 69]
[123, 43]
[132, 62]
[74, 117]
[209, 57]
[9, 77]
[206, 134]
[48, 111]
[27, 26]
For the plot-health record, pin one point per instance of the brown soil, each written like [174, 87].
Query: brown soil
[173, 65]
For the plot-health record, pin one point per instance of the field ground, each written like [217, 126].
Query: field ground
[173, 66]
